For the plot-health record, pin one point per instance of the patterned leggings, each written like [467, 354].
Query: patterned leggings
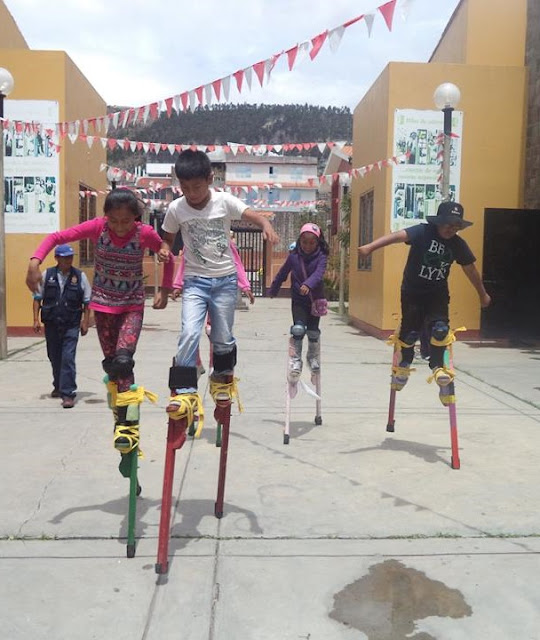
[119, 331]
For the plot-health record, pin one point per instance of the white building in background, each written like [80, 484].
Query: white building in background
[286, 183]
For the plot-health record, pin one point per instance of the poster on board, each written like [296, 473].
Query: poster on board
[416, 189]
[31, 168]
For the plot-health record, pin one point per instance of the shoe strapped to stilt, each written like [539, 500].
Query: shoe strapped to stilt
[188, 406]
[400, 376]
[442, 376]
[126, 436]
[225, 391]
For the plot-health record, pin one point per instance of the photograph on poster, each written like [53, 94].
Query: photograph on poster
[31, 168]
[416, 189]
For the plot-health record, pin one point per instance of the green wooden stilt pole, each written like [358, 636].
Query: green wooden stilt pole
[134, 491]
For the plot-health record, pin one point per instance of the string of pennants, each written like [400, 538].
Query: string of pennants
[219, 90]
[343, 177]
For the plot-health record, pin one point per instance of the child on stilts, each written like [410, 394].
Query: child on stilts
[306, 263]
[204, 216]
[117, 298]
[424, 289]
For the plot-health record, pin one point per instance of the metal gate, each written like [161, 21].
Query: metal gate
[251, 248]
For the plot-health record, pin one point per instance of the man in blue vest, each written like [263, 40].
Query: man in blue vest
[63, 299]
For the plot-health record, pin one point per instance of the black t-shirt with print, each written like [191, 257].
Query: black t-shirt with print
[430, 258]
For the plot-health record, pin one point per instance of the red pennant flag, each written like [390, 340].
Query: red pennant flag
[211, 147]
[152, 147]
[317, 42]
[387, 11]
[239, 77]
[111, 143]
[168, 105]
[199, 94]
[226, 148]
[184, 97]
[154, 110]
[178, 147]
[291, 56]
[139, 146]
[259, 70]
[164, 146]
[217, 88]
[126, 144]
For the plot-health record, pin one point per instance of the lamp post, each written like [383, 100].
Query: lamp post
[113, 174]
[6, 86]
[446, 98]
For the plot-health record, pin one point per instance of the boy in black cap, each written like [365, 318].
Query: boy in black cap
[63, 298]
[424, 288]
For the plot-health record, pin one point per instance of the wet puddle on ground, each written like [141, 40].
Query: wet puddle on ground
[386, 603]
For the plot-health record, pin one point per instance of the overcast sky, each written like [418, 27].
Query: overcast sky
[136, 52]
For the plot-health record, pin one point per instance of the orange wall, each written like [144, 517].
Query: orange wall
[51, 75]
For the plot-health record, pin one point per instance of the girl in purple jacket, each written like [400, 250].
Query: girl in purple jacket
[306, 263]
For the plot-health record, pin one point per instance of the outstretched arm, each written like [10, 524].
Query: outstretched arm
[263, 223]
[475, 278]
[392, 238]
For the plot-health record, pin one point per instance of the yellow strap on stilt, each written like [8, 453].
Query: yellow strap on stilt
[449, 339]
[396, 342]
[230, 388]
[131, 433]
[135, 396]
[112, 392]
[189, 404]
[446, 370]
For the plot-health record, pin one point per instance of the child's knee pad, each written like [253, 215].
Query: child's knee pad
[439, 332]
[224, 361]
[298, 331]
[182, 377]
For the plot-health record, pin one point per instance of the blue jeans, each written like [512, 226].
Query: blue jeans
[61, 349]
[217, 297]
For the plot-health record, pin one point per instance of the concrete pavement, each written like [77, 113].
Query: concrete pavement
[347, 532]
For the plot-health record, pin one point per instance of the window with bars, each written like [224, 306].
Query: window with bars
[87, 211]
[365, 228]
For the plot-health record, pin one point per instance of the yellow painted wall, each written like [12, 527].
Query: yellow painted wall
[482, 52]
[10, 35]
[51, 75]
[452, 46]
[493, 102]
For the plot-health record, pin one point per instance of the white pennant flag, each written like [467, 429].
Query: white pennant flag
[369, 18]
[321, 146]
[192, 100]
[115, 118]
[249, 148]
[201, 147]
[248, 76]
[405, 9]
[72, 137]
[171, 148]
[234, 148]
[90, 142]
[103, 142]
[177, 104]
[85, 127]
[146, 146]
[208, 94]
[334, 38]
[278, 148]
[120, 144]
[103, 166]
[132, 145]
[125, 118]
[303, 52]
[226, 87]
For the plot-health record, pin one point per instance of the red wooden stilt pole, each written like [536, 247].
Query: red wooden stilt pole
[176, 436]
[222, 414]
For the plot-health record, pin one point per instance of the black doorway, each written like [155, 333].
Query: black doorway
[511, 273]
[252, 249]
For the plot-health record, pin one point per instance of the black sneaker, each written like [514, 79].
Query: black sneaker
[55, 393]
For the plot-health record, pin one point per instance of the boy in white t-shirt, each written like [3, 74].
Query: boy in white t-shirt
[203, 216]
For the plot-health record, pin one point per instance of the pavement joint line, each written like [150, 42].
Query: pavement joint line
[276, 538]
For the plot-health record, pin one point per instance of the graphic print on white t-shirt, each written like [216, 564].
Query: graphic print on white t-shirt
[208, 239]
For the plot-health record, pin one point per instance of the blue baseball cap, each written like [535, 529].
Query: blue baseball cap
[63, 251]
